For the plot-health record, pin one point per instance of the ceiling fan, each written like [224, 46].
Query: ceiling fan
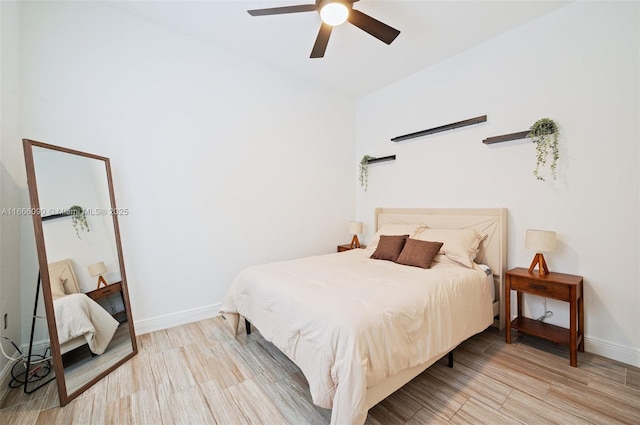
[333, 13]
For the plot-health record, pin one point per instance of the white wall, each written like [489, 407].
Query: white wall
[579, 66]
[13, 196]
[221, 162]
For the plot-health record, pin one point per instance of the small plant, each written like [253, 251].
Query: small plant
[544, 133]
[79, 219]
[364, 171]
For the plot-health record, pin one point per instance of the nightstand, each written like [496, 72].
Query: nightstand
[557, 286]
[105, 291]
[347, 247]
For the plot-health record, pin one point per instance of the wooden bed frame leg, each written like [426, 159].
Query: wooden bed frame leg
[450, 356]
[247, 325]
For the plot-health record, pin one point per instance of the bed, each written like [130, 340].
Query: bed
[360, 328]
[79, 319]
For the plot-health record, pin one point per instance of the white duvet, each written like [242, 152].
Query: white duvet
[77, 315]
[349, 321]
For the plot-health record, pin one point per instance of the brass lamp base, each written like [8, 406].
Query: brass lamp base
[538, 260]
[355, 243]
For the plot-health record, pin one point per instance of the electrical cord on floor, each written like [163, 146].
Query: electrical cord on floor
[39, 366]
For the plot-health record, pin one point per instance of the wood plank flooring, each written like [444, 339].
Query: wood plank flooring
[199, 374]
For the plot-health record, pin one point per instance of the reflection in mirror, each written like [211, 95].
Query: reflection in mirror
[81, 265]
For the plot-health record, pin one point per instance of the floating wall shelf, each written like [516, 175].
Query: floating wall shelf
[506, 137]
[381, 159]
[446, 127]
[55, 216]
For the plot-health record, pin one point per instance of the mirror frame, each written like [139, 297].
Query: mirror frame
[64, 396]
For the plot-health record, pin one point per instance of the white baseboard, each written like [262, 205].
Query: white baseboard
[39, 347]
[175, 319]
[612, 351]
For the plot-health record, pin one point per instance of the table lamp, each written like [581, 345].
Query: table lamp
[98, 269]
[540, 241]
[355, 227]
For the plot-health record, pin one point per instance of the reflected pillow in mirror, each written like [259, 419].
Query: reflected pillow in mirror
[389, 247]
[57, 287]
[418, 253]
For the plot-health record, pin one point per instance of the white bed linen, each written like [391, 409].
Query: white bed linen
[349, 321]
[78, 315]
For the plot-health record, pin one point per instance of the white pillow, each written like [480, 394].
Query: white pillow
[460, 246]
[393, 229]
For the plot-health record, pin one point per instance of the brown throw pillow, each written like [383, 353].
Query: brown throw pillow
[418, 253]
[389, 247]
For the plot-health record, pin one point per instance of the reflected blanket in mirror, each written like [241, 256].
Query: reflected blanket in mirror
[78, 315]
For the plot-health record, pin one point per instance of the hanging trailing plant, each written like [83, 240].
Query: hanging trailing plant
[544, 133]
[79, 219]
[364, 171]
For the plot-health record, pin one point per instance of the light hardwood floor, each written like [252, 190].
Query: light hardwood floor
[199, 374]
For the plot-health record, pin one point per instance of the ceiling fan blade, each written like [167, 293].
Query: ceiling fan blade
[379, 30]
[284, 9]
[321, 41]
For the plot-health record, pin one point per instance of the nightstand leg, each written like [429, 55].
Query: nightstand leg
[507, 311]
[573, 335]
[581, 323]
[520, 303]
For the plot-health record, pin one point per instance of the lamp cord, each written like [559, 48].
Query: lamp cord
[19, 373]
[547, 313]
[13, 359]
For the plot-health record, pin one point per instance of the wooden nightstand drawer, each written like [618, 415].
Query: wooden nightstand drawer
[96, 294]
[540, 287]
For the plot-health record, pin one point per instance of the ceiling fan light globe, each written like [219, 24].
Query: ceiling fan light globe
[334, 13]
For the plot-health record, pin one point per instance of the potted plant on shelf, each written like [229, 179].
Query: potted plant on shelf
[544, 133]
[79, 219]
[364, 171]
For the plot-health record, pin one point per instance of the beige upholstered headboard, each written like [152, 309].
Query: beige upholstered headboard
[62, 272]
[491, 221]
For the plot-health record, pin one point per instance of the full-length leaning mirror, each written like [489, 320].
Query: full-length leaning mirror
[84, 285]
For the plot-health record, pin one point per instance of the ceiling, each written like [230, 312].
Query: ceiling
[355, 63]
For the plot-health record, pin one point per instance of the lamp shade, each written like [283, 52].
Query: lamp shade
[540, 240]
[355, 227]
[97, 269]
